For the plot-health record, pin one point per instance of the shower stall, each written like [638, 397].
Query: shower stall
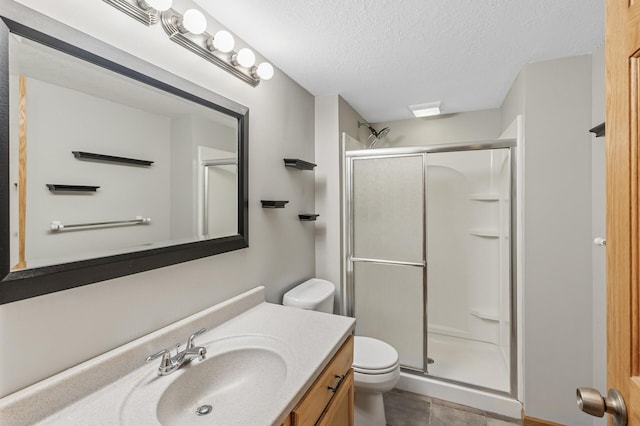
[429, 259]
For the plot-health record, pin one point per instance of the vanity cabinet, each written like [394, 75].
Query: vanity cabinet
[329, 401]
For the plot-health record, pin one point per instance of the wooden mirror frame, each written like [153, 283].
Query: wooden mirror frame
[27, 283]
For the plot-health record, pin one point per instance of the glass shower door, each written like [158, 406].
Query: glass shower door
[386, 267]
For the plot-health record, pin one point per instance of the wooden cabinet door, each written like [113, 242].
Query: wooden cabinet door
[339, 412]
[321, 394]
[623, 224]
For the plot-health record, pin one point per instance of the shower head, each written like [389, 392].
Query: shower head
[383, 132]
[375, 136]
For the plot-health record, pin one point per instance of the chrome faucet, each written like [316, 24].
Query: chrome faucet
[169, 364]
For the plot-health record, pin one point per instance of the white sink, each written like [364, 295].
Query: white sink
[251, 376]
[236, 384]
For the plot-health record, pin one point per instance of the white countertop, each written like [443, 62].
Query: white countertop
[93, 393]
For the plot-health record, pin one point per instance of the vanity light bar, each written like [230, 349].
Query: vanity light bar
[197, 43]
[132, 8]
[188, 31]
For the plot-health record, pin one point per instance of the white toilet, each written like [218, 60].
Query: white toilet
[375, 363]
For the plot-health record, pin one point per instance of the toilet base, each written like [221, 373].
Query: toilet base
[369, 409]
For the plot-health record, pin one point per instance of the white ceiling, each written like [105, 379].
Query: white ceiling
[383, 55]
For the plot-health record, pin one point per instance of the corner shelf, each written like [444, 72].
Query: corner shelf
[485, 196]
[308, 217]
[599, 130]
[81, 155]
[271, 204]
[298, 164]
[55, 187]
[485, 232]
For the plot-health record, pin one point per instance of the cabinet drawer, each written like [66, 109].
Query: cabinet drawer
[320, 394]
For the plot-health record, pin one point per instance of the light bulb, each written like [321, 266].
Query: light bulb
[245, 57]
[264, 71]
[159, 5]
[223, 41]
[193, 21]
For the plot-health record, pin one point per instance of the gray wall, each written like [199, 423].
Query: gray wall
[333, 117]
[45, 335]
[555, 97]
[327, 184]
[598, 223]
[451, 128]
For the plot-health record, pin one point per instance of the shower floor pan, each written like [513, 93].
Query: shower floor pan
[468, 361]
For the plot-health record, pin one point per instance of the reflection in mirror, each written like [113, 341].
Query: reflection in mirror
[219, 172]
[112, 166]
[189, 191]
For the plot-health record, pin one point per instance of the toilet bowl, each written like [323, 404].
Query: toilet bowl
[376, 365]
[376, 369]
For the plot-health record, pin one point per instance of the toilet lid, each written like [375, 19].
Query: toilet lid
[373, 356]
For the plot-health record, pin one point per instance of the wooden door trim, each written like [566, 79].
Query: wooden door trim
[532, 421]
[623, 220]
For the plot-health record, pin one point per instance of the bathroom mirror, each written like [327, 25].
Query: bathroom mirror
[111, 165]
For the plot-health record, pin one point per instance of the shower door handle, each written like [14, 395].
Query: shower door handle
[591, 402]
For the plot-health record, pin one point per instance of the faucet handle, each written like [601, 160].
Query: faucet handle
[166, 357]
[190, 341]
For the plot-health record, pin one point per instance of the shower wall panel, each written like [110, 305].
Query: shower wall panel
[448, 259]
[468, 273]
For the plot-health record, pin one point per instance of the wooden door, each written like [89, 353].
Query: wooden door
[623, 102]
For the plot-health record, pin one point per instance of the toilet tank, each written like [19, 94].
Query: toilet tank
[314, 294]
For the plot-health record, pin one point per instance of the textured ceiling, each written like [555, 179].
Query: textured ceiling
[383, 55]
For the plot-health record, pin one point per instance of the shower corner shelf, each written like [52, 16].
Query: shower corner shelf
[308, 217]
[599, 130]
[298, 164]
[485, 196]
[56, 187]
[485, 232]
[81, 155]
[271, 204]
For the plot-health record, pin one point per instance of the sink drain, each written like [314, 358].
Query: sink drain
[203, 410]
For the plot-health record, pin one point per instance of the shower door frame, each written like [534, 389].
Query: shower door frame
[348, 259]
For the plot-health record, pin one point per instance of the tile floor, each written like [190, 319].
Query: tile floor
[410, 409]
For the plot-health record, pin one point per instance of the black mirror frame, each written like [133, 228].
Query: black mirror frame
[27, 283]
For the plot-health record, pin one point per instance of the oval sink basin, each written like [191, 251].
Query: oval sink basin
[236, 384]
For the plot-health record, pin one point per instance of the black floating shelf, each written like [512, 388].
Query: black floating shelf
[81, 155]
[268, 204]
[598, 130]
[54, 187]
[298, 164]
[308, 217]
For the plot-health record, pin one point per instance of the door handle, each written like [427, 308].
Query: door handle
[591, 402]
